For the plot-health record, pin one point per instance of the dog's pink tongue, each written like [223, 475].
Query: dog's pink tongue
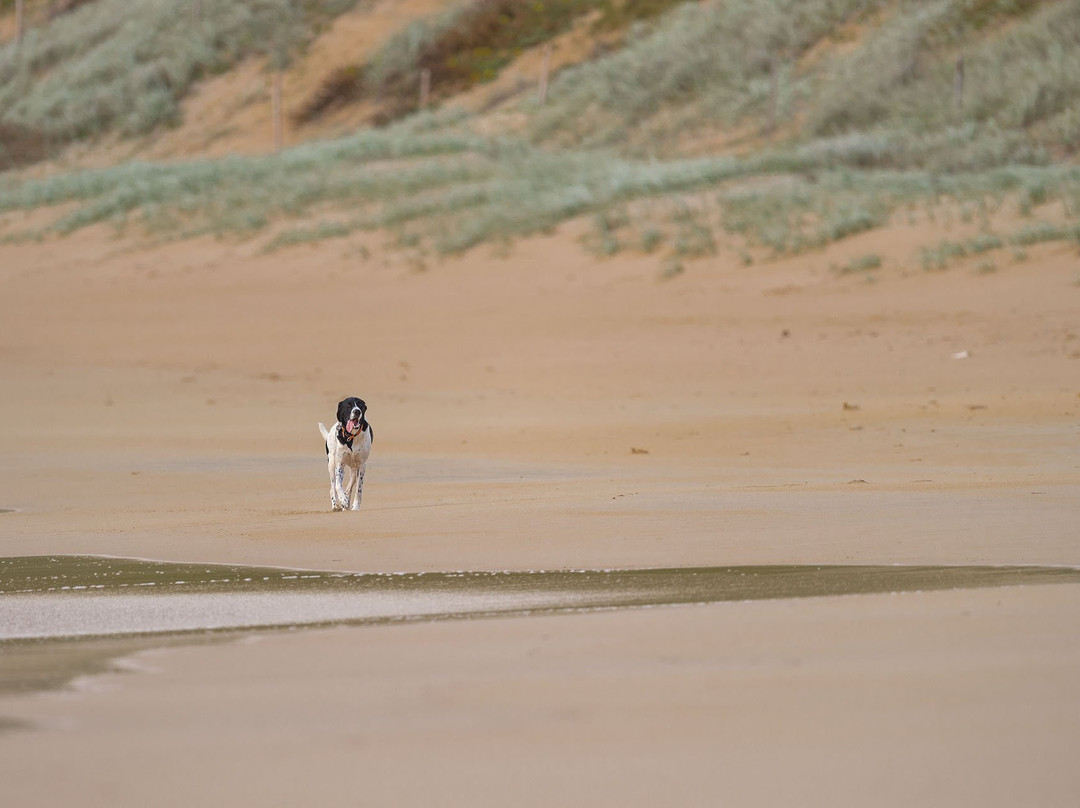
[352, 426]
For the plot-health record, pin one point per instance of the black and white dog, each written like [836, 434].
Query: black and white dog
[348, 445]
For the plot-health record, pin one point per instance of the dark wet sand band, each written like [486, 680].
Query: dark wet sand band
[63, 616]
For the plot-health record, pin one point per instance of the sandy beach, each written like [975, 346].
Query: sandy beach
[539, 408]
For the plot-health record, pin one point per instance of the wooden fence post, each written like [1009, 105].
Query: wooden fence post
[425, 87]
[958, 86]
[275, 103]
[545, 67]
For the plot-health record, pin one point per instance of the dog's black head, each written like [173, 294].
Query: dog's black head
[351, 414]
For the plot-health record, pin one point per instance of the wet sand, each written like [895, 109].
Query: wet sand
[945, 698]
[551, 411]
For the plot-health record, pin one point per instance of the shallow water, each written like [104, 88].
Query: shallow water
[66, 616]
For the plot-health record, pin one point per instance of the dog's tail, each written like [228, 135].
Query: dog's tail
[325, 432]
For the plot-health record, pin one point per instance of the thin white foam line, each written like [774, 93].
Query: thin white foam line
[898, 564]
[413, 572]
[361, 572]
[488, 613]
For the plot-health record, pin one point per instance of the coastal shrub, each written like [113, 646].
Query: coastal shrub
[124, 65]
[467, 44]
[709, 57]
[1023, 74]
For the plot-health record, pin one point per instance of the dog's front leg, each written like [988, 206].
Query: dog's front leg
[348, 485]
[358, 490]
[337, 499]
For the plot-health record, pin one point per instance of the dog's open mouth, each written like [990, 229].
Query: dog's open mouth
[353, 426]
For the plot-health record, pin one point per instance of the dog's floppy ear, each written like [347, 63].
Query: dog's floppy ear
[344, 408]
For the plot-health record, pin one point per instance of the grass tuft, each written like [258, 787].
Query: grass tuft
[863, 263]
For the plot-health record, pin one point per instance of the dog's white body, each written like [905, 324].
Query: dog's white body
[347, 465]
[346, 456]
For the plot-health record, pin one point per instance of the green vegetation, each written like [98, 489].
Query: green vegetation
[1024, 80]
[759, 127]
[615, 16]
[946, 252]
[698, 66]
[451, 191]
[767, 66]
[861, 264]
[1045, 231]
[54, 8]
[465, 45]
[124, 65]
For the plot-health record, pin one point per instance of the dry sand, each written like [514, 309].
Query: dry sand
[551, 410]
